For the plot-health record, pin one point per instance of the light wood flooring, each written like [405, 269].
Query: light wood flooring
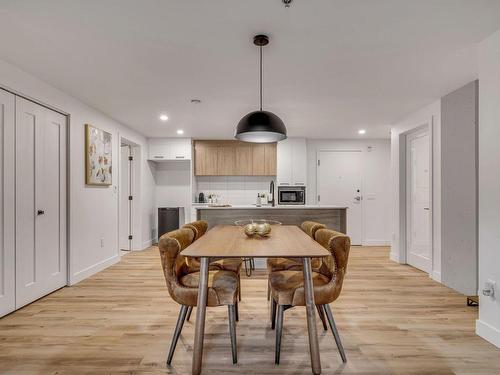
[393, 319]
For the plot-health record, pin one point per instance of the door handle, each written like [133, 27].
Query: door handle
[358, 198]
[40, 212]
[427, 208]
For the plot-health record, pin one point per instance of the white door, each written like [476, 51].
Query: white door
[40, 201]
[418, 201]
[125, 192]
[339, 184]
[7, 216]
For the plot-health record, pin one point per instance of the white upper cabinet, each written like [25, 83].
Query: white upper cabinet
[170, 149]
[292, 162]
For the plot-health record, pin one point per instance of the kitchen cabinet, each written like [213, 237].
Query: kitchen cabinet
[205, 159]
[234, 158]
[292, 162]
[169, 149]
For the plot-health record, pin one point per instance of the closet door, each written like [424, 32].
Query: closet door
[7, 216]
[40, 201]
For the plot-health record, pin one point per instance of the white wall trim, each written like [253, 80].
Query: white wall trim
[488, 332]
[93, 269]
[146, 244]
[376, 243]
[436, 276]
[394, 257]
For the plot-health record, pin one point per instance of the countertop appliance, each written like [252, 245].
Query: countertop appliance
[201, 198]
[291, 195]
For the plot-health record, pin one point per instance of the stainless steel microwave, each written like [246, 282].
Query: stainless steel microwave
[291, 195]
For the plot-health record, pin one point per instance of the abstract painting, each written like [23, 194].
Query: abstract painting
[98, 169]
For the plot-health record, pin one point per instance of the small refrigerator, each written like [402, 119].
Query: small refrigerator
[168, 219]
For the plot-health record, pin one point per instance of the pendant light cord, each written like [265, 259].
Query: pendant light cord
[260, 78]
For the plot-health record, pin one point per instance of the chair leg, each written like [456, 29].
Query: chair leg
[190, 310]
[335, 332]
[239, 287]
[268, 290]
[237, 315]
[177, 332]
[321, 314]
[279, 331]
[273, 313]
[232, 331]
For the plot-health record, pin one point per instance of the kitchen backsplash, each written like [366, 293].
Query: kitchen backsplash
[233, 189]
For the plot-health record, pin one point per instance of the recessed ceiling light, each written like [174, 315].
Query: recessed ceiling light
[361, 131]
[163, 117]
[180, 131]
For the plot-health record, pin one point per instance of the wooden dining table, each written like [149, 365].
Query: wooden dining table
[228, 241]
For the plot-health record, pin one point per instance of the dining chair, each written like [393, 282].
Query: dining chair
[282, 264]
[182, 285]
[287, 286]
[199, 228]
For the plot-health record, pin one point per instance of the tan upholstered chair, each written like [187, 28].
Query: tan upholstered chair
[287, 286]
[282, 264]
[182, 284]
[199, 228]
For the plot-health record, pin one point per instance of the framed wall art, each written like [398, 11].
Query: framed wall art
[98, 161]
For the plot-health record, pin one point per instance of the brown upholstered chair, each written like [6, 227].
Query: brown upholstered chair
[182, 284]
[287, 287]
[199, 228]
[282, 264]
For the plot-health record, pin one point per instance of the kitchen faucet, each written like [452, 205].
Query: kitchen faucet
[271, 191]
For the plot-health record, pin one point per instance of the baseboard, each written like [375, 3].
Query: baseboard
[394, 257]
[92, 270]
[436, 276]
[376, 243]
[147, 244]
[488, 332]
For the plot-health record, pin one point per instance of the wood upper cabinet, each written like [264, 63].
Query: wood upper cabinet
[206, 159]
[234, 158]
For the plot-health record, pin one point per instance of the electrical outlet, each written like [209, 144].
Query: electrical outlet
[489, 288]
[102, 241]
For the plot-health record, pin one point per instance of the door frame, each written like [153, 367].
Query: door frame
[355, 149]
[68, 169]
[135, 184]
[404, 190]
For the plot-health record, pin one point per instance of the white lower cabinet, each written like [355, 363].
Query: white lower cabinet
[34, 167]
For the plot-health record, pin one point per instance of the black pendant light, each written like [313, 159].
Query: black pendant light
[261, 126]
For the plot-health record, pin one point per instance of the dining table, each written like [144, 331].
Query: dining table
[230, 241]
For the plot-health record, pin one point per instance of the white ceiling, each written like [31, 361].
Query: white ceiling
[332, 66]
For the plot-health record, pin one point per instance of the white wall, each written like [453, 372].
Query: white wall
[93, 210]
[488, 324]
[376, 187]
[430, 114]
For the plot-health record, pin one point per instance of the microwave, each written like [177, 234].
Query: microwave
[291, 195]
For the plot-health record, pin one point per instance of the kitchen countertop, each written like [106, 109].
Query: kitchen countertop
[201, 206]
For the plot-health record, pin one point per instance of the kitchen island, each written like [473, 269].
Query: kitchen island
[333, 217]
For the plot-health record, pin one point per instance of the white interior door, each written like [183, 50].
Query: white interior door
[7, 208]
[339, 184]
[40, 201]
[125, 192]
[418, 201]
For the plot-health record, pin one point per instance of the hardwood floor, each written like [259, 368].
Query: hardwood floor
[393, 319]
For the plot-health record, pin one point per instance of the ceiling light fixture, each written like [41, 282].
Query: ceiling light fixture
[260, 126]
[163, 117]
[180, 131]
[361, 131]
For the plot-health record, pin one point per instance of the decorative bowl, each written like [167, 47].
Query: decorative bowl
[260, 227]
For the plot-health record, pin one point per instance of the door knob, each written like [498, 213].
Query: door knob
[40, 212]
